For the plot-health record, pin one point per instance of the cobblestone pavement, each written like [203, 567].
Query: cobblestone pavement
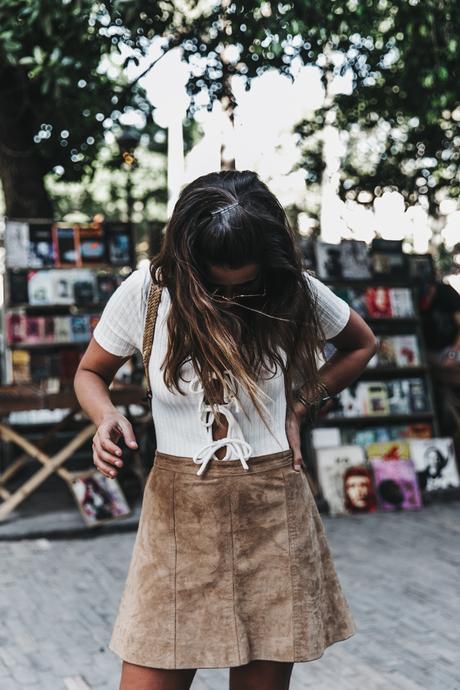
[400, 573]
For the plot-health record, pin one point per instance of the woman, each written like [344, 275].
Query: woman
[230, 566]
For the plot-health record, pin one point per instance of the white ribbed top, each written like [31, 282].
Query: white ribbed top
[183, 423]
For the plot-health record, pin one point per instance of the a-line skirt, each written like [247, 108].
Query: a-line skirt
[227, 567]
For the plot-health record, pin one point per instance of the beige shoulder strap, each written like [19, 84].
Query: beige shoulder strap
[149, 329]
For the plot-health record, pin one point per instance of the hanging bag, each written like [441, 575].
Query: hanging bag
[153, 301]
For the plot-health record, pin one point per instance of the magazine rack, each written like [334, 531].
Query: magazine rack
[56, 279]
[15, 398]
[342, 268]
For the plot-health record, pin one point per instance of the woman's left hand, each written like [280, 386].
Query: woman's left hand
[294, 418]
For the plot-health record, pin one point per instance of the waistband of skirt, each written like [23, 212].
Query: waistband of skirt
[216, 467]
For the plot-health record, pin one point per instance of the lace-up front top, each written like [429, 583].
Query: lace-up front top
[234, 440]
[183, 423]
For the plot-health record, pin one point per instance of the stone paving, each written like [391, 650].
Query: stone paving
[400, 573]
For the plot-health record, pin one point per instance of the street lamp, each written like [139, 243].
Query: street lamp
[127, 143]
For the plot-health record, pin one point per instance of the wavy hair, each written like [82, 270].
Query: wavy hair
[283, 332]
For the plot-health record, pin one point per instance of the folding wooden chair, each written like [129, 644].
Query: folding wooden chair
[24, 397]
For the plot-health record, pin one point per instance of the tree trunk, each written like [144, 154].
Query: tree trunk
[21, 169]
[23, 185]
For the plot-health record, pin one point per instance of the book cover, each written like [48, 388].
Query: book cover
[118, 239]
[435, 463]
[332, 464]
[375, 398]
[100, 499]
[15, 328]
[16, 244]
[93, 249]
[79, 324]
[389, 450]
[63, 282]
[19, 287]
[418, 430]
[407, 351]
[85, 288]
[325, 437]
[399, 397]
[402, 305]
[388, 259]
[386, 354]
[421, 266]
[348, 403]
[20, 360]
[358, 301]
[418, 395]
[41, 246]
[62, 329]
[378, 303]
[106, 286]
[355, 260]
[388, 265]
[40, 287]
[48, 334]
[35, 329]
[358, 490]
[66, 246]
[93, 321]
[363, 437]
[328, 260]
[396, 485]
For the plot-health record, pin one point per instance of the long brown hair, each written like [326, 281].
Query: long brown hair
[284, 332]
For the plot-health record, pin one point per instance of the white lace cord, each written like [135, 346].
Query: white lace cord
[234, 439]
[240, 446]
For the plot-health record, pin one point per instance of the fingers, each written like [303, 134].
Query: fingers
[128, 433]
[104, 460]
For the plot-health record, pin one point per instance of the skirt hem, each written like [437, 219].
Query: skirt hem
[247, 658]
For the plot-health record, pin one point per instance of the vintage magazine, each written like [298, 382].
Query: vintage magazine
[435, 463]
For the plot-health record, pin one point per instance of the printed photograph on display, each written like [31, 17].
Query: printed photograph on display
[332, 464]
[396, 484]
[99, 498]
[358, 490]
[435, 463]
[389, 450]
[328, 261]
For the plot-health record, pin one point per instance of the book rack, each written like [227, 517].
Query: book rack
[393, 398]
[56, 280]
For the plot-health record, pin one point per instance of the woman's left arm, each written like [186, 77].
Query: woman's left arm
[355, 345]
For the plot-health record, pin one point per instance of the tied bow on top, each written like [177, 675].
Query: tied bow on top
[234, 439]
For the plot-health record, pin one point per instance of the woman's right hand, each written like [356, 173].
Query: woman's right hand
[106, 453]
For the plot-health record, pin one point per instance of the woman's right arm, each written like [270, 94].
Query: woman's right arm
[95, 372]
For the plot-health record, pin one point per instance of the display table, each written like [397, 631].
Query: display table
[28, 397]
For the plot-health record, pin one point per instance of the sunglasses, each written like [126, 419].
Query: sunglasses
[250, 290]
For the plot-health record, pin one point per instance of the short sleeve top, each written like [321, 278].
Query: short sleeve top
[183, 423]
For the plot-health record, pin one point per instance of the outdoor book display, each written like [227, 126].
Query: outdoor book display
[56, 279]
[378, 446]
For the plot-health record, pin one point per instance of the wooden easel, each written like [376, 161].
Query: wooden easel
[26, 397]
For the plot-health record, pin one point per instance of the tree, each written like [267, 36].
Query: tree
[56, 100]
[403, 113]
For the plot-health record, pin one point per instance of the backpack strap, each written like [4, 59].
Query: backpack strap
[149, 329]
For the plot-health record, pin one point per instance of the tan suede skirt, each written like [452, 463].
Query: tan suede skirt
[228, 567]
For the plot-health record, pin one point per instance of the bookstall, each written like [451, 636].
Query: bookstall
[56, 279]
[379, 445]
